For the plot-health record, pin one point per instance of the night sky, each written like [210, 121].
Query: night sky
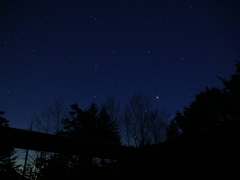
[88, 50]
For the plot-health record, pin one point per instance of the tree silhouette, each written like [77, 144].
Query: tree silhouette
[49, 122]
[108, 131]
[144, 124]
[8, 167]
[3, 121]
[214, 110]
[113, 109]
[232, 88]
[173, 131]
[209, 131]
[90, 126]
[205, 114]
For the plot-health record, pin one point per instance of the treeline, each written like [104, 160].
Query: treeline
[138, 124]
[201, 142]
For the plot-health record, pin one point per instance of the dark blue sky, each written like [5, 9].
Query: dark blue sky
[89, 50]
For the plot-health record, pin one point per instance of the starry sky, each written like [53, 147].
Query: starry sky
[89, 50]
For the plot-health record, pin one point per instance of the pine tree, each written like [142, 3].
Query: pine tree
[90, 126]
[172, 131]
[8, 167]
[107, 129]
[215, 111]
